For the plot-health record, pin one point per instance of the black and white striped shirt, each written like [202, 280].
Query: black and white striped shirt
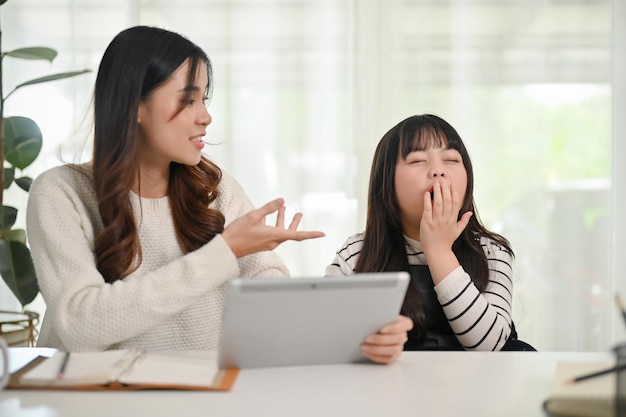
[480, 321]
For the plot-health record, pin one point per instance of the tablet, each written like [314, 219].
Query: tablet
[306, 321]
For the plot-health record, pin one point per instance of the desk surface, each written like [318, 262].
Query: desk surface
[440, 384]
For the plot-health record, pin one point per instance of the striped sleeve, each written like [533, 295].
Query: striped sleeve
[481, 321]
[346, 257]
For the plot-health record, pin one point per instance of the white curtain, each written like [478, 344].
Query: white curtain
[304, 89]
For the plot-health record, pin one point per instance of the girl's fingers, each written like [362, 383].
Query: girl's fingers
[457, 198]
[428, 206]
[437, 199]
[381, 355]
[465, 218]
[448, 200]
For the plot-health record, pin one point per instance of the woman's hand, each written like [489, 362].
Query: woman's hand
[249, 233]
[386, 345]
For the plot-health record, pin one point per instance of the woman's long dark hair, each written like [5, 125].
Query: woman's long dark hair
[136, 62]
[384, 246]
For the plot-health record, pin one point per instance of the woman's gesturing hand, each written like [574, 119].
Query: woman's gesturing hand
[249, 233]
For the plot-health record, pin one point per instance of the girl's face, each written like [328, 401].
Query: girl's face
[166, 134]
[417, 174]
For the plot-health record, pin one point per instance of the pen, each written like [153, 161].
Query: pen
[66, 359]
[597, 373]
[620, 305]
[616, 368]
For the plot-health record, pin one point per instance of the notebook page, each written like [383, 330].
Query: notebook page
[83, 368]
[171, 370]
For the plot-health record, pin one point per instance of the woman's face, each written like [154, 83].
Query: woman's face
[167, 135]
[417, 174]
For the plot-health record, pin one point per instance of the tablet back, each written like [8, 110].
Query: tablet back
[306, 321]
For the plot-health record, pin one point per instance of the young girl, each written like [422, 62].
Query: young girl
[422, 219]
[132, 249]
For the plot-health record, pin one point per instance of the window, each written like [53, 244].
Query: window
[304, 90]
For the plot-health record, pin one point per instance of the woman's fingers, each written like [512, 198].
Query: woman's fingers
[295, 222]
[280, 217]
[249, 233]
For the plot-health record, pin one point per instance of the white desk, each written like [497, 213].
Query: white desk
[437, 384]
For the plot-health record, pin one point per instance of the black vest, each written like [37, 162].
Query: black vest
[439, 335]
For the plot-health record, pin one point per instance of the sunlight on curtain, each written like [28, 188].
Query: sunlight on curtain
[305, 89]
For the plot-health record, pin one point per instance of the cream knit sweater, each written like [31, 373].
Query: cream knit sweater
[173, 301]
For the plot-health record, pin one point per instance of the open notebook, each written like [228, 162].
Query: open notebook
[306, 321]
[126, 369]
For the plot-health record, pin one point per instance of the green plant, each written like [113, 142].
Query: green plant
[20, 144]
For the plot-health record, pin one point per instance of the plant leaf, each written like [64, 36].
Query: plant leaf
[2, 2]
[9, 175]
[24, 183]
[9, 214]
[16, 235]
[17, 270]
[33, 52]
[52, 77]
[23, 141]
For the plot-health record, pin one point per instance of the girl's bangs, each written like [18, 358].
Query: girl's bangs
[424, 138]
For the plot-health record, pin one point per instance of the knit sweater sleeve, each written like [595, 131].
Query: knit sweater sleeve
[62, 221]
[481, 321]
[234, 203]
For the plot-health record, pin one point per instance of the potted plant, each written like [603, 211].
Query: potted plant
[20, 144]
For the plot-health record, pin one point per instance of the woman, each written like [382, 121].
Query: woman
[422, 219]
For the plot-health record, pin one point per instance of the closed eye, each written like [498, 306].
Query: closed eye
[416, 158]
